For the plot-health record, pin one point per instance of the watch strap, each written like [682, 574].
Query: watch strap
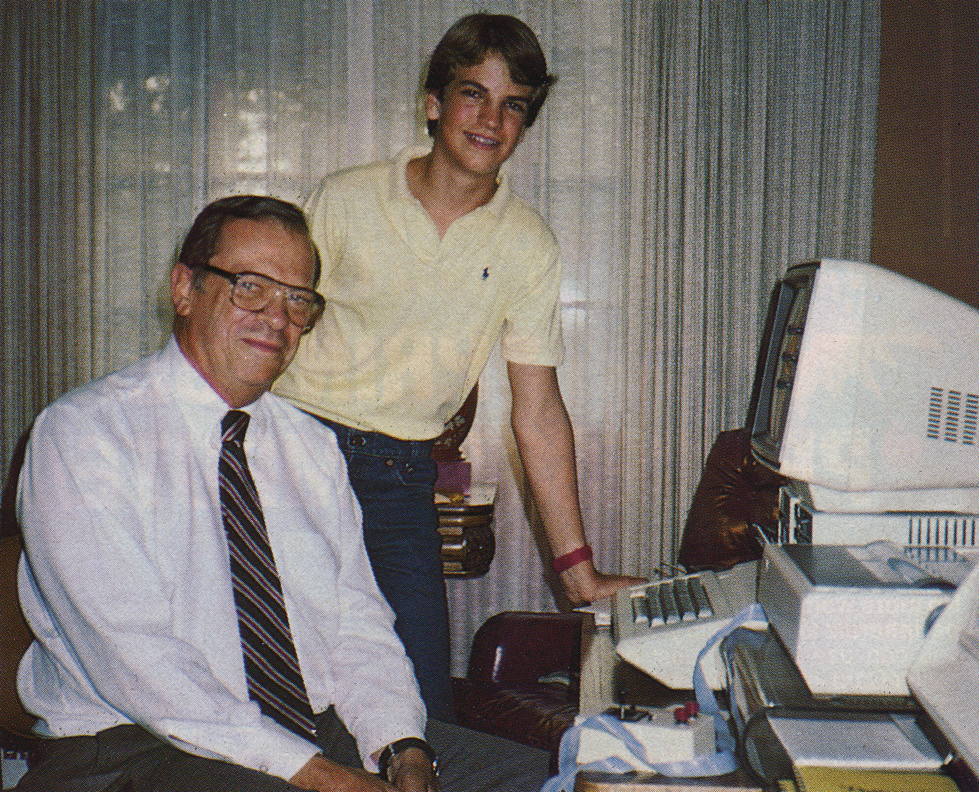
[393, 749]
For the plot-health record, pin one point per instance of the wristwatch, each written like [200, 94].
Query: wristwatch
[393, 749]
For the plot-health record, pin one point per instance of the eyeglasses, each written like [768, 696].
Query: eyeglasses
[251, 291]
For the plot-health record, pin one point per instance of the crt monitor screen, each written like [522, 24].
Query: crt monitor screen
[867, 381]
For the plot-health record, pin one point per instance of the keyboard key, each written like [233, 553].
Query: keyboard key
[671, 613]
[640, 610]
[684, 600]
[700, 599]
[655, 606]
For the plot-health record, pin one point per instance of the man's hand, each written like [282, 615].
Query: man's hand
[321, 775]
[582, 583]
[411, 771]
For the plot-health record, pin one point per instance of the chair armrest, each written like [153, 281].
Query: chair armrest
[535, 716]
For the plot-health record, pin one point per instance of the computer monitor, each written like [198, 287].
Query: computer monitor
[867, 391]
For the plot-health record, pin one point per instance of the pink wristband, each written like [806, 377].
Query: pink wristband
[568, 560]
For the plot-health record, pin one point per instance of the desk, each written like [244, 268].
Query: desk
[607, 681]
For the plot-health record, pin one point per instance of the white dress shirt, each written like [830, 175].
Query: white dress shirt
[126, 582]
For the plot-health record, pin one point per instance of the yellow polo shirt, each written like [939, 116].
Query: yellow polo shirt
[411, 319]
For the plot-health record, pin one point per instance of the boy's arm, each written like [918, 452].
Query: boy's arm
[546, 444]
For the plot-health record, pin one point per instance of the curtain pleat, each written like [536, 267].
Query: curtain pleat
[689, 151]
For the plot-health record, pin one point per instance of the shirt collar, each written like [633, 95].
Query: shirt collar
[398, 183]
[198, 402]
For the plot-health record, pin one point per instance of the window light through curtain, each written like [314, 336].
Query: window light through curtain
[688, 153]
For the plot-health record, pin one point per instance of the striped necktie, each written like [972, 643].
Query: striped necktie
[271, 664]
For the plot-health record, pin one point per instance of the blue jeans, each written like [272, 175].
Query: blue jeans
[394, 481]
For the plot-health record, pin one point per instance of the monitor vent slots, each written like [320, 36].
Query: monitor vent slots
[936, 530]
[953, 416]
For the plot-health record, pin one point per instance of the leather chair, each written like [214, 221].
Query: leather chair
[735, 498]
[523, 677]
[15, 637]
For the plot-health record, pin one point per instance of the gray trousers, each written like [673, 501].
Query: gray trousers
[131, 759]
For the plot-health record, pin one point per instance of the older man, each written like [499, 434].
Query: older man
[195, 573]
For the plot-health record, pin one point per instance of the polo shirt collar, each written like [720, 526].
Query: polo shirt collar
[398, 183]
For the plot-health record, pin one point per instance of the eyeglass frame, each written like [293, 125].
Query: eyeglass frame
[232, 277]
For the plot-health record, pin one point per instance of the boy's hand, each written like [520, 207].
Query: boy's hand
[583, 584]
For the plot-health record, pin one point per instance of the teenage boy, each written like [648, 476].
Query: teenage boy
[429, 259]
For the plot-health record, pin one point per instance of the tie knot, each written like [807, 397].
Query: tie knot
[233, 426]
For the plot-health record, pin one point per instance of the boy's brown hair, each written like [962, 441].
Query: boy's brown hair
[472, 38]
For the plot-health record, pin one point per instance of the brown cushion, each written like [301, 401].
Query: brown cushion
[523, 678]
[735, 493]
[535, 715]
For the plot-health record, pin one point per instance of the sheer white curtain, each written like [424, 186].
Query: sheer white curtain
[688, 152]
[749, 145]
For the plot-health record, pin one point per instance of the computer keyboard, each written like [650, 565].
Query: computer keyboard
[661, 627]
[671, 601]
